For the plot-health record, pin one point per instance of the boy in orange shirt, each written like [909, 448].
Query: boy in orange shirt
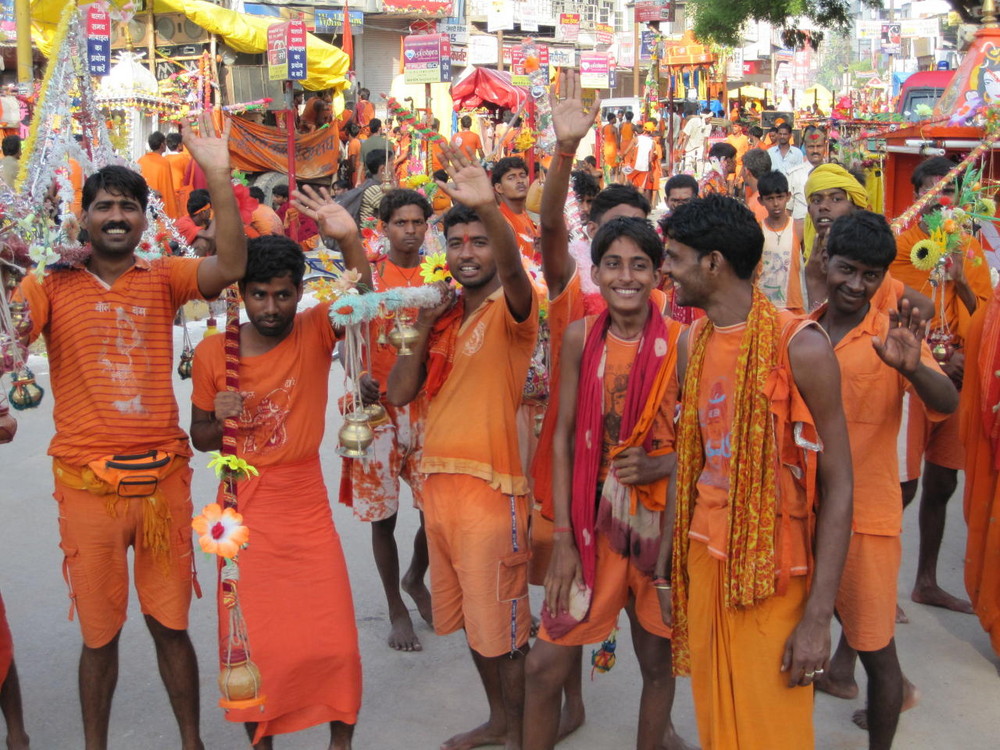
[881, 357]
[469, 142]
[510, 181]
[472, 358]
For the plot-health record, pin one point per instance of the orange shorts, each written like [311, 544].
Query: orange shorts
[616, 582]
[95, 547]
[541, 547]
[395, 455]
[866, 599]
[937, 442]
[477, 539]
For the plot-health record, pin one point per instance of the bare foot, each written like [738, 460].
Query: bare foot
[901, 617]
[673, 741]
[484, 734]
[838, 687]
[572, 717]
[911, 697]
[935, 596]
[421, 597]
[17, 743]
[402, 637]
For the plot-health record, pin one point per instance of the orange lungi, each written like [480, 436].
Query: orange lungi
[616, 582]
[95, 546]
[477, 539]
[938, 442]
[6, 644]
[296, 599]
[866, 599]
[741, 697]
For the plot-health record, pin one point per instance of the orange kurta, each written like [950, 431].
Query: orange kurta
[525, 231]
[982, 482]
[294, 589]
[158, 175]
[178, 169]
[609, 146]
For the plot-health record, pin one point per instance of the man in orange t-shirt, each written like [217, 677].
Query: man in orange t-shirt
[108, 327]
[510, 182]
[472, 359]
[264, 219]
[364, 111]
[752, 661]
[966, 286]
[302, 627]
[610, 149]
[179, 159]
[881, 358]
[158, 174]
[469, 142]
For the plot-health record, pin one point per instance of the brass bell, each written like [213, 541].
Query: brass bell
[355, 435]
[376, 414]
[184, 366]
[382, 339]
[402, 337]
[20, 317]
[25, 394]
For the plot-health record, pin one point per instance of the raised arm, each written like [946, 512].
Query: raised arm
[211, 152]
[470, 186]
[817, 376]
[335, 223]
[571, 121]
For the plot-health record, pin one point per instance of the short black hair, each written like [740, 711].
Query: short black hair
[374, 125]
[629, 115]
[353, 129]
[772, 183]
[722, 150]
[716, 222]
[611, 117]
[591, 160]
[756, 131]
[458, 214]
[198, 200]
[396, 199]
[784, 125]
[936, 166]
[155, 140]
[638, 230]
[757, 162]
[680, 181]
[174, 140]
[617, 195]
[256, 192]
[374, 161]
[364, 93]
[863, 236]
[117, 181]
[466, 121]
[584, 184]
[272, 256]
[280, 190]
[343, 184]
[505, 165]
[11, 145]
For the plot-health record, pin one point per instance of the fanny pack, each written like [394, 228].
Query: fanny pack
[136, 475]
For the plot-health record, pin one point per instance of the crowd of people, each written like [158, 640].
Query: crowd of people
[691, 420]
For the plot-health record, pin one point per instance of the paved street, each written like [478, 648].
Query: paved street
[412, 700]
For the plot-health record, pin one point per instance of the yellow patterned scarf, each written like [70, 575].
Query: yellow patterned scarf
[750, 562]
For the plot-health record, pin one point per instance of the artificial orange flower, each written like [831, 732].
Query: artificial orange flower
[220, 531]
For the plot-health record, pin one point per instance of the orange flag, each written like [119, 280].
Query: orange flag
[347, 38]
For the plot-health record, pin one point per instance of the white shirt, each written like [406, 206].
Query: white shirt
[783, 163]
[696, 130]
[797, 177]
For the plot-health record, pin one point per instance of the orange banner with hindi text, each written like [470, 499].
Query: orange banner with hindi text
[258, 148]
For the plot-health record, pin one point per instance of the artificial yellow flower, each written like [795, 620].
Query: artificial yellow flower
[435, 268]
[231, 465]
[986, 207]
[925, 255]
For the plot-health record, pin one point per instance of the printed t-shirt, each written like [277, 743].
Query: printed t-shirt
[284, 390]
[873, 405]
[111, 356]
[468, 142]
[525, 231]
[780, 267]
[472, 421]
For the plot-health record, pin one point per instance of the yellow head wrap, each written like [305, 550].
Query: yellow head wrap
[828, 177]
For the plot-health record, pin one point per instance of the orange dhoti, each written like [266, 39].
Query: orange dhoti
[866, 599]
[296, 600]
[6, 644]
[741, 697]
[477, 540]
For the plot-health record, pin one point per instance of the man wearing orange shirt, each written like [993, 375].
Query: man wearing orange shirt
[469, 142]
[626, 132]
[510, 182]
[120, 458]
[157, 173]
[472, 359]
[966, 286]
[264, 219]
[302, 627]
[364, 111]
[881, 357]
[609, 148]
[179, 159]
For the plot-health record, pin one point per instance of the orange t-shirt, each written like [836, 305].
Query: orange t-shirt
[472, 421]
[111, 356]
[977, 273]
[780, 268]
[265, 220]
[627, 134]
[759, 211]
[609, 147]
[525, 231]
[710, 517]
[157, 172]
[178, 167]
[284, 391]
[468, 142]
[387, 275]
[873, 404]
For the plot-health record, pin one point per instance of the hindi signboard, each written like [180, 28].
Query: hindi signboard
[595, 70]
[604, 33]
[654, 10]
[98, 41]
[296, 50]
[427, 58]
[277, 51]
[331, 21]
[569, 27]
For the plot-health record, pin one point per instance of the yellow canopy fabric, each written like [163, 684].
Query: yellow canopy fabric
[752, 92]
[326, 65]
